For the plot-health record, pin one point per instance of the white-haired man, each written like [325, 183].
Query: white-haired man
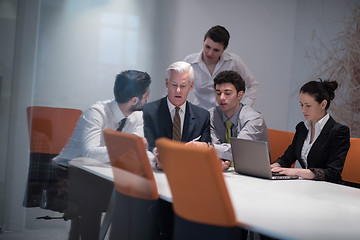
[160, 116]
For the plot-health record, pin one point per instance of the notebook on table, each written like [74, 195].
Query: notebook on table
[252, 158]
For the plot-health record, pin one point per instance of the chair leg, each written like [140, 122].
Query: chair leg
[251, 234]
[74, 233]
[108, 216]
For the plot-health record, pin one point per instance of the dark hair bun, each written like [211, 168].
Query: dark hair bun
[330, 86]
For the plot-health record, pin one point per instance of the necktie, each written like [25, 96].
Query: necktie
[122, 124]
[177, 125]
[228, 125]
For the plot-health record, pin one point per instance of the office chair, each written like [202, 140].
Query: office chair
[351, 170]
[279, 142]
[135, 211]
[49, 130]
[201, 202]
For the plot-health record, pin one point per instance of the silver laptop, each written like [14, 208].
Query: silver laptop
[252, 158]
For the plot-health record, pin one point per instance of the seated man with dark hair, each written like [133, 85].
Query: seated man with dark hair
[88, 196]
[231, 118]
[131, 92]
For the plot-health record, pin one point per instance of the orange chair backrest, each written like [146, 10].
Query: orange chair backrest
[351, 170]
[279, 142]
[133, 175]
[197, 183]
[50, 128]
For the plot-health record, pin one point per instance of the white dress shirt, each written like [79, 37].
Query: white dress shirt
[307, 145]
[203, 94]
[87, 139]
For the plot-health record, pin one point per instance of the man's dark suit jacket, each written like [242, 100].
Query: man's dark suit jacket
[158, 122]
[327, 155]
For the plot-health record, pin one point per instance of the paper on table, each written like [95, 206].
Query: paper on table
[197, 138]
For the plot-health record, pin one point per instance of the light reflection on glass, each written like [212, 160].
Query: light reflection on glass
[118, 40]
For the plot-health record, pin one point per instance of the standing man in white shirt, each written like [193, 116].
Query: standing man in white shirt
[131, 91]
[213, 59]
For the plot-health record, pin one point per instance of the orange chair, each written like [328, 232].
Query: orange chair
[279, 142]
[351, 170]
[201, 202]
[49, 130]
[135, 214]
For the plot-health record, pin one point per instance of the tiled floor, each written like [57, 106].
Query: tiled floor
[45, 235]
[56, 229]
[39, 229]
[35, 234]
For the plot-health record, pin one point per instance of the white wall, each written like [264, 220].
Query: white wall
[318, 24]
[82, 46]
[21, 96]
[7, 36]
[68, 52]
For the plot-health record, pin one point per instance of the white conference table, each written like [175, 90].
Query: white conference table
[286, 209]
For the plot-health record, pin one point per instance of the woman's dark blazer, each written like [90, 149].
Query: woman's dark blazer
[327, 155]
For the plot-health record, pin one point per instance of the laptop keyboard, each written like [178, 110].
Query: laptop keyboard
[277, 174]
[283, 176]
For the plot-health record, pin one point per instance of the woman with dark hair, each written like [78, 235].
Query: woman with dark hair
[320, 143]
